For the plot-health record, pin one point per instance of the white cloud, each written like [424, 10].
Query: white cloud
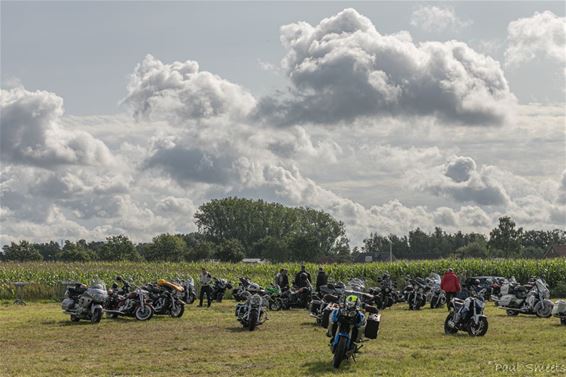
[30, 133]
[343, 69]
[437, 19]
[543, 35]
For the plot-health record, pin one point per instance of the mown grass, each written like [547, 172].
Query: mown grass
[39, 340]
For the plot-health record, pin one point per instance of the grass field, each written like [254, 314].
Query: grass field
[39, 340]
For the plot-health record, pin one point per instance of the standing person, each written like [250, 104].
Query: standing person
[301, 276]
[281, 279]
[205, 280]
[451, 285]
[321, 279]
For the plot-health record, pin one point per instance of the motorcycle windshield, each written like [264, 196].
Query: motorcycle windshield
[435, 278]
[97, 284]
[541, 286]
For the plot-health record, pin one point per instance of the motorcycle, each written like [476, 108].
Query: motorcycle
[273, 295]
[252, 312]
[133, 304]
[219, 289]
[385, 295]
[344, 342]
[535, 301]
[165, 299]
[466, 315]
[189, 293]
[559, 311]
[296, 297]
[414, 293]
[245, 286]
[437, 295]
[83, 302]
[321, 307]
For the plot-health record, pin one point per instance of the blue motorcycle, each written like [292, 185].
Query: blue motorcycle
[346, 322]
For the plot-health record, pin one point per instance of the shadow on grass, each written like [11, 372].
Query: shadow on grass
[310, 324]
[237, 329]
[319, 367]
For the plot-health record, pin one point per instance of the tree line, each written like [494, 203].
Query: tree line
[231, 229]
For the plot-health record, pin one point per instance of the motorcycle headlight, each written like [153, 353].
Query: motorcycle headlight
[255, 300]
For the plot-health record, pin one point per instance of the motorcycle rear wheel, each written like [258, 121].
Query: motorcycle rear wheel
[478, 330]
[339, 353]
[178, 311]
[275, 305]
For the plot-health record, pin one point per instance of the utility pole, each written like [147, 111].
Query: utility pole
[390, 249]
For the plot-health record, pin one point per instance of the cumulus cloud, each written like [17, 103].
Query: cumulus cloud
[182, 91]
[437, 19]
[543, 35]
[343, 68]
[460, 179]
[30, 132]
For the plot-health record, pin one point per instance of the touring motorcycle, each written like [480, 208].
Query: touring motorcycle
[521, 300]
[133, 304]
[83, 302]
[252, 312]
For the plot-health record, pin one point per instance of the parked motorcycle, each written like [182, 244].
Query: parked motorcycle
[273, 295]
[239, 293]
[189, 293]
[437, 295]
[415, 293]
[83, 302]
[252, 312]
[296, 297]
[534, 301]
[133, 304]
[219, 289]
[165, 299]
[466, 315]
[321, 307]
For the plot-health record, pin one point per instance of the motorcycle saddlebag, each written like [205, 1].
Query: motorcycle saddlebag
[325, 320]
[68, 304]
[372, 326]
[559, 308]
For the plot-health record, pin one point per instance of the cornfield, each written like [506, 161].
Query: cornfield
[47, 278]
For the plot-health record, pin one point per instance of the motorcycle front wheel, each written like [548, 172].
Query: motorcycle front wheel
[252, 320]
[339, 352]
[143, 314]
[96, 315]
[478, 329]
[544, 310]
[449, 330]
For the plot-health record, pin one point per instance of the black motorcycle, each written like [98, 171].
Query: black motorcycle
[296, 298]
[219, 289]
[122, 302]
[415, 293]
[466, 315]
[165, 300]
[252, 312]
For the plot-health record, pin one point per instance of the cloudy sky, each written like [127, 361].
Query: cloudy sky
[125, 117]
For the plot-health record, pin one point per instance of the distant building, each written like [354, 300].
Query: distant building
[556, 251]
[373, 257]
[254, 260]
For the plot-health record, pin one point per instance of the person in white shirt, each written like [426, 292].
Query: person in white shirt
[205, 288]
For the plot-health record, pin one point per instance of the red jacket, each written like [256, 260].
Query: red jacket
[450, 283]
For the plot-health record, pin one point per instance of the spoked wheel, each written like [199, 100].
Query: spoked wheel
[339, 352]
[478, 329]
[143, 314]
[96, 315]
[178, 311]
[512, 313]
[449, 326]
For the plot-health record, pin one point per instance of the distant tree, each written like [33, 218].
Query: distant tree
[506, 239]
[22, 252]
[167, 247]
[119, 248]
[49, 250]
[271, 248]
[75, 252]
[230, 251]
[475, 249]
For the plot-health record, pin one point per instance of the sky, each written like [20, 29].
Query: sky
[124, 117]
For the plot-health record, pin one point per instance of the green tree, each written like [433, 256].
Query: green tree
[75, 252]
[475, 249]
[119, 248]
[506, 239]
[23, 251]
[49, 250]
[230, 251]
[167, 247]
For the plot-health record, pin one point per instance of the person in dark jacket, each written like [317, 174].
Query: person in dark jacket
[451, 285]
[282, 279]
[302, 277]
[321, 279]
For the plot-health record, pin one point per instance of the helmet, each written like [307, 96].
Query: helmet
[351, 301]
[477, 282]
